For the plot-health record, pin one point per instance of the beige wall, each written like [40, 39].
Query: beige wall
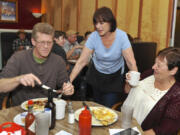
[149, 20]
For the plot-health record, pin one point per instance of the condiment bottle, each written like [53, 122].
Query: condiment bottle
[30, 120]
[70, 113]
[85, 122]
[50, 104]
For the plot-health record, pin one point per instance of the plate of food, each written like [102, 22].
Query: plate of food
[101, 116]
[20, 118]
[38, 105]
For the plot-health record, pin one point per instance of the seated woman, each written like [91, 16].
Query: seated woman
[156, 100]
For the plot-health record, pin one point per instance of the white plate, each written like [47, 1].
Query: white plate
[94, 121]
[18, 118]
[24, 104]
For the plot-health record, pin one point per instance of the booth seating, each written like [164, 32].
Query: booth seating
[145, 53]
[7, 39]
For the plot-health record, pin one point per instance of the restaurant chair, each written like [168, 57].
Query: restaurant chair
[6, 101]
[117, 106]
[145, 54]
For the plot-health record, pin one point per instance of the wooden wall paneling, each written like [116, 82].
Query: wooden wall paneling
[128, 16]
[154, 22]
[87, 9]
[96, 5]
[177, 29]
[114, 7]
[70, 15]
[52, 11]
[140, 19]
[169, 22]
[57, 14]
[44, 10]
[106, 3]
[62, 13]
[48, 7]
[78, 15]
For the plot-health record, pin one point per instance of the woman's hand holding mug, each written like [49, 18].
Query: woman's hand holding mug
[133, 78]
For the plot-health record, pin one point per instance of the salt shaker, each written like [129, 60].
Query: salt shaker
[70, 113]
[71, 117]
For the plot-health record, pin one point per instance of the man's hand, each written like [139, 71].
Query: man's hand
[29, 80]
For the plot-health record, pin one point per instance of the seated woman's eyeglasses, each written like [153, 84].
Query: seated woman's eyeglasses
[48, 43]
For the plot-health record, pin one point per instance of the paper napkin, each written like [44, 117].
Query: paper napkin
[113, 131]
[62, 132]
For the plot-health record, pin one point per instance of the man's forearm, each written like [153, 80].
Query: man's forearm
[8, 84]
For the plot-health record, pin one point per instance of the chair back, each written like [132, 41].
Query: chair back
[145, 53]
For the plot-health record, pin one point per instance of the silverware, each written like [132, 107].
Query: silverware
[60, 95]
[84, 104]
[47, 88]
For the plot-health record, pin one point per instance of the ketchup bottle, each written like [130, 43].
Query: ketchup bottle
[85, 122]
[30, 120]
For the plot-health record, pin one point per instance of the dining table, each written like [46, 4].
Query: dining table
[7, 115]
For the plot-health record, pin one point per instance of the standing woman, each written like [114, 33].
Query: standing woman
[109, 46]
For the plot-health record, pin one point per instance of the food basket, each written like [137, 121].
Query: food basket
[12, 128]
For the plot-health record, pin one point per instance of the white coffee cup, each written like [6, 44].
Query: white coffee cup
[134, 78]
[60, 108]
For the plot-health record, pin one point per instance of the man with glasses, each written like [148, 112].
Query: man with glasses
[25, 69]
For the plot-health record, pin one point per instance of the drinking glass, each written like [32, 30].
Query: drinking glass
[127, 115]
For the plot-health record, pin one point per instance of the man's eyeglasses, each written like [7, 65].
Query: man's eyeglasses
[48, 43]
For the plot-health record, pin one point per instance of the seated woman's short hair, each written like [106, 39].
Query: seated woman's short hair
[172, 56]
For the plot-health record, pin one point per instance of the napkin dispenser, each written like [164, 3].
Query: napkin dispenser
[12, 129]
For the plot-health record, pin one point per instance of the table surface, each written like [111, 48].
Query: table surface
[7, 115]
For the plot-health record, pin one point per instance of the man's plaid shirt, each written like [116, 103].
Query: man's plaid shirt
[18, 42]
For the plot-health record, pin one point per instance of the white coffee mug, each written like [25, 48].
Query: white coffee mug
[134, 78]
